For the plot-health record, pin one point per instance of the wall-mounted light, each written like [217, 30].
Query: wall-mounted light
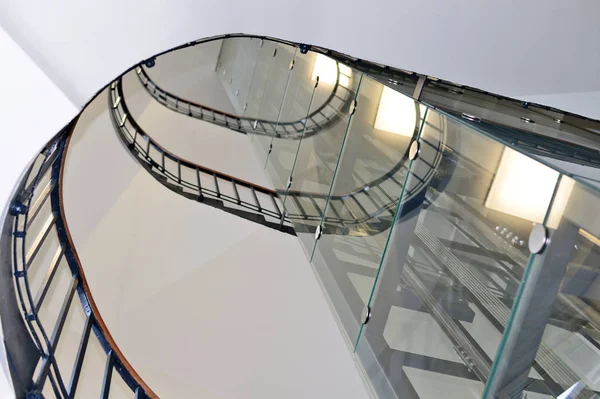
[396, 113]
[522, 187]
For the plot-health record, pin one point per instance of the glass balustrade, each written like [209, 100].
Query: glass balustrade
[421, 224]
[317, 155]
[292, 120]
[456, 234]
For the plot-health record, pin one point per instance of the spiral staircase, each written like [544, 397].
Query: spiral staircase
[422, 239]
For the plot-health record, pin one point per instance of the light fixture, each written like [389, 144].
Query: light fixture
[522, 187]
[327, 70]
[396, 113]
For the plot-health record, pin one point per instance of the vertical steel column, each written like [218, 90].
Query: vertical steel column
[537, 293]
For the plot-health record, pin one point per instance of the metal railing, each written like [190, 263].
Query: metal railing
[355, 213]
[43, 183]
[196, 182]
[320, 118]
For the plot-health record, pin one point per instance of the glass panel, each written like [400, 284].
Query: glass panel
[367, 185]
[514, 114]
[319, 151]
[293, 120]
[565, 302]
[260, 78]
[272, 100]
[453, 264]
[237, 60]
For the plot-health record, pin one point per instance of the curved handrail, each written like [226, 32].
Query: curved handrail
[244, 125]
[206, 184]
[409, 194]
[24, 211]
[308, 125]
[133, 134]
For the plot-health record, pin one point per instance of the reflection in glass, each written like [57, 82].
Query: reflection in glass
[368, 182]
[396, 113]
[523, 187]
[453, 265]
[318, 152]
[292, 121]
[270, 108]
[561, 304]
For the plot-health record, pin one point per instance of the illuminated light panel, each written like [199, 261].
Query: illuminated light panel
[523, 187]
[396, 113]
[326, 69]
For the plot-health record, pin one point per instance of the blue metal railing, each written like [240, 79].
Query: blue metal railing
[27, 207]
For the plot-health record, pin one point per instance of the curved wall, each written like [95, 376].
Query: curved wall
[67, 50]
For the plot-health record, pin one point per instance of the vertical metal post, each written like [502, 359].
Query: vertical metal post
[108, 371]
[391, 269]
[537, 292]
[419, 87]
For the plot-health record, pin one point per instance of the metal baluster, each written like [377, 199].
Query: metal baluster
[386, 194]
[300, 207]
[35, 209]
[337, 214]
[256, 199]
[348, 209]
[362, 208]
[48, 279]
[200, 195]
[83, 343]
[108, 371]
[317, 207]
[39, 240]
[163, 161]
[217, 185]
[279, 214]
[237, 194]
[179, 171]
[377, 205]
[395, 181]
[60, 322]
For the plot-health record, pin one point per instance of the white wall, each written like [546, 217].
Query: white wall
[513, 48]
[90, 192]
[228, 307]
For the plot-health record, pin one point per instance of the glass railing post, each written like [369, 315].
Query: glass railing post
[290, 179]
[272, 99]
[394, 255]
[552, 331]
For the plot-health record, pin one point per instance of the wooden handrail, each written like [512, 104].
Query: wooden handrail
[84, 284]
